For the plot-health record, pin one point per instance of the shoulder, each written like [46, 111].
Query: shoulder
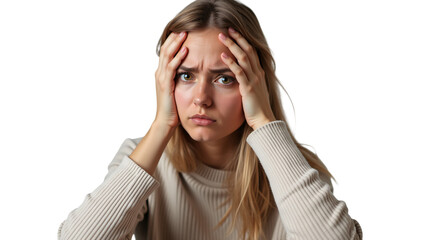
[273, 140]
[128, 145]
[327, 180]
[126, 148]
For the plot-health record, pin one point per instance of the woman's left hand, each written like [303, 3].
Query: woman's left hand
[251, 78]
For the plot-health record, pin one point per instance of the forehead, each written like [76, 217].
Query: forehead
[204, 48]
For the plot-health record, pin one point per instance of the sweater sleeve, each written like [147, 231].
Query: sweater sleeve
[306, 204]
[114, 208]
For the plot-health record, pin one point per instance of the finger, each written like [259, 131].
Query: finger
[172, 48]
[238, 72]
[166, 55]
[167, 43]
[240, 55]
[170, 39]
[176, 61]
[246, 47]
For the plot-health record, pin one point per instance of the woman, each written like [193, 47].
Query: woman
[219, 161]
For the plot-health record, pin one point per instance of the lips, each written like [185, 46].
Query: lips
[202, 120]
[202, 117]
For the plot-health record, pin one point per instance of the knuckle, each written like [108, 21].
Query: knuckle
[171, 53]
[171, 66]
[229, 61]
[242, 57]
[170, 56]
[164, 54]
[248, 49]
[240, 72]
[248, 88]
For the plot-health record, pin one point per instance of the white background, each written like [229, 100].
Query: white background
[77, 79]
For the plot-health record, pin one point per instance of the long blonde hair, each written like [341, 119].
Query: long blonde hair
[250, 195]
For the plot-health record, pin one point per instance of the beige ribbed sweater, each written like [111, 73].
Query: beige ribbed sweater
[173, 205]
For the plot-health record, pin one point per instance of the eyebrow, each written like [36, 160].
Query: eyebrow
[221, 70]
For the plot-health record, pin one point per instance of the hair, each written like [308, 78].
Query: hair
[250, 198]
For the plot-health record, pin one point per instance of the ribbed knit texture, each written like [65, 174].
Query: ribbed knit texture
[174, 205]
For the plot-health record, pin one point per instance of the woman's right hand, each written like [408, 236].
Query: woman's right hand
[170, 59]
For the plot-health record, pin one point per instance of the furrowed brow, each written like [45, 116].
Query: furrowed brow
[192, 69]
[221, 70]
[187, 69]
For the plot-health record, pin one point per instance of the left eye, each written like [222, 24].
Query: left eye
[225, 80]
[184, 76]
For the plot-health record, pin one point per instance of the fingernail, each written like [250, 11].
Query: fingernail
[222, 36]
[232, 30]
[224, 55]
[182, 34]
[183, 49]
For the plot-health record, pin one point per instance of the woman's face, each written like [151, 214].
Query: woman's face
[207, 95]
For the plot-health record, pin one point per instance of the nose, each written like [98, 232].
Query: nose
[202, 94]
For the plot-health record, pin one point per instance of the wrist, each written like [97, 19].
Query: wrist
[262, 122]
[162, 129]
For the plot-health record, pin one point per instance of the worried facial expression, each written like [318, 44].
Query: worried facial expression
[207, 94]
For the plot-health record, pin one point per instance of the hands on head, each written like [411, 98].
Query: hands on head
[243, 63]
[251, 78]
[170, 59]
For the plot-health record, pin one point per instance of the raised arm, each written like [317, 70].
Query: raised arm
[306, 203]
[113, 210]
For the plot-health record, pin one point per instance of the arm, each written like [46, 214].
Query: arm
[114, 208]
[306, 204]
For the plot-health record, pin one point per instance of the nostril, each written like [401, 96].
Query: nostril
[202, 101]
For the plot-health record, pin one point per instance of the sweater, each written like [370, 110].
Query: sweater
[176, 205]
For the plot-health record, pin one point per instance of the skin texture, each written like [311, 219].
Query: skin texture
[246, 98]
[251, 78]
[218, 95]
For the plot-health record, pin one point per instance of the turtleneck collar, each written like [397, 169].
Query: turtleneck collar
[211, 176]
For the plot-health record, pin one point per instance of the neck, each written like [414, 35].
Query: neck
[218, 153]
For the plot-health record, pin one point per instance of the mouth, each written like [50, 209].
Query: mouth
[202, 120]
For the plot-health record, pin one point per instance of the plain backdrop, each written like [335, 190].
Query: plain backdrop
[77, 79]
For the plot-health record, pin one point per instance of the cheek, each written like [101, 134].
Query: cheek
[182, 99]
[230, 106]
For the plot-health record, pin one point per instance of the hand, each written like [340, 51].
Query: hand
[251, 78]
[170, 59]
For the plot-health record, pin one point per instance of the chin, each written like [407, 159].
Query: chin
[202, 135]
[205, 134]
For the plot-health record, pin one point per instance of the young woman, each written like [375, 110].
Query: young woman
[219, 161]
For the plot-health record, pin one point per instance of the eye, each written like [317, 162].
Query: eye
[184, 76]
[225, 80]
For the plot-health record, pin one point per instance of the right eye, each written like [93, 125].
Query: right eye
[183, 76]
